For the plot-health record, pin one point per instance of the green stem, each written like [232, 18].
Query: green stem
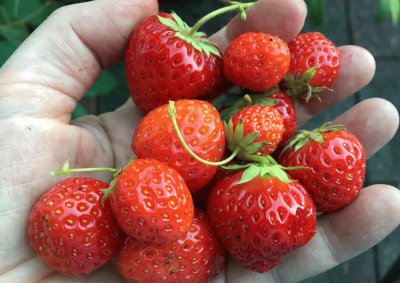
[233, 6]
[172, 114]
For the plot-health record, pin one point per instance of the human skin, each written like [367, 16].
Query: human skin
[53, 69]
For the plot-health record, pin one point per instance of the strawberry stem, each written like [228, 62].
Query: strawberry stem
[172, 115]
[233, 6]
[67, 170]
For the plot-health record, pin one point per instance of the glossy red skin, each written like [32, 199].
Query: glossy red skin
[202, 129]
[285, 107]
[313, 49]
[70, 230]
[151, 202]
[256, 61]
[260, 221]
[196, 257]
[263, 119]
[340, 157]
[162, 67]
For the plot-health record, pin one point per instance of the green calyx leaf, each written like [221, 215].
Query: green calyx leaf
[243, 145]
[183, 31]
[248, 98]
[301, 138]
[299, 85]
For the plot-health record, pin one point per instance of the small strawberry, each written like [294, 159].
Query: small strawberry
[196, 257]
[265, 121]
[277, 98]
[151, 202]
[336, 162]
[201, 128]
[70, 229]
[256, 61]
[168, 60]
[260, 214]
[314, 64]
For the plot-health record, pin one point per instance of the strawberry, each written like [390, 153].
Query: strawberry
[276, 97]
[256, 61]
[314, 64]
[336, 165]
[265, 121]
[70, 229]
[151, 202]
[201, 128]
[164, 61]
[196, 257]
[260, 215]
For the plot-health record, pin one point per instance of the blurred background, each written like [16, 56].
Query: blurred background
[372, 24]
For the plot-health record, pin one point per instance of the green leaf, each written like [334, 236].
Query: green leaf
[79, 111]
[6, 49]
[394, 6]
[316, 10]
[20, 9]
[104, 85]
[249, 174]
[248, 139]
[169, 23]
[181, 24]
[383, 11]
[47, 9]
[210, 47]
[234, 167]
[15, 34]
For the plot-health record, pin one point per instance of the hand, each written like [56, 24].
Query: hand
[42, 82]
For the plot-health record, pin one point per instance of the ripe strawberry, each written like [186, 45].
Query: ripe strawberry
[337, 165]
[263, 120]
[202, 129]
[276, 97]
[196, 257]
[260, 215]
[70, 229]
[151, 202]
[166, 61]
[256, 61]
[314, 64]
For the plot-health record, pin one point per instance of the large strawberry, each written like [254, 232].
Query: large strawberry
[314, 64]
[256, 61]
[195, 257]
[151, 202]
[336, 165]
[260, 214]
[201, 128]
[71, 230]
[168, 60]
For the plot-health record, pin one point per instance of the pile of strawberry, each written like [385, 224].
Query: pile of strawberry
[261, 201]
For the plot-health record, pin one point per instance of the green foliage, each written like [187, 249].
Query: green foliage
[18, 18]
[386, 8]
[316, 11]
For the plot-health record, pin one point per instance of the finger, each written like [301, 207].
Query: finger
[284, 18]
[341, 235]
[63, 57]
[374, 121]
[357, 70]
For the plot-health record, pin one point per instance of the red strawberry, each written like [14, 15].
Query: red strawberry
[164, 61]
[151, 202]
[314, 64]
[202, 129]
[196, 257]
[256, 61]
[337, 165]
[263, 120]
[259, 217]
[70, 229]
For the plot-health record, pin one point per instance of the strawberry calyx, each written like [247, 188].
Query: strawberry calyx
[244, 145]
[192, 35]
[263, 166]
[248, 99]
[301, 138]
[299, 85]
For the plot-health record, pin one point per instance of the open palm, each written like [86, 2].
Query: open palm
[41, 83]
